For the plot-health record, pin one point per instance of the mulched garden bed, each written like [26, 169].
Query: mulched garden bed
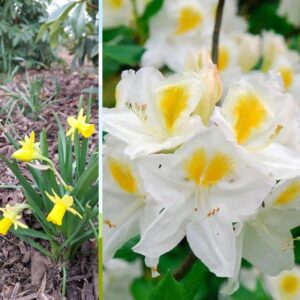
[24, 273]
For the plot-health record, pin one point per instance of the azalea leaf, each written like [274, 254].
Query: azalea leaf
[168, 289]
[194, 281]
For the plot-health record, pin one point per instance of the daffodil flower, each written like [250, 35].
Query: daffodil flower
[29, 149]
[128, 209]
[154, 113]
[206, 185]
[285, 286]
[265, 239]
[80, 124]
[11, 217]
[253, 115]
[61, 206]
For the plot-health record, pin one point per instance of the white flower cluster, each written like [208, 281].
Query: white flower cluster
[184, 160]
[225, 177]
[176, 28]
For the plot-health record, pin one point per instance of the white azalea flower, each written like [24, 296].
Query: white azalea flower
[263, 121]
[182, 25]
[249, 48]
[121, 12]
[291, 10]
[117, 278]
[201, 64]
[288, 67]
[273, 45]
[285, 286]
[128, 209]
[207, 185]
[265, 239]
[154, 113]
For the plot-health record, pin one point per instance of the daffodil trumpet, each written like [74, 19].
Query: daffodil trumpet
[61, 206]
[11, 217]
[80, 124]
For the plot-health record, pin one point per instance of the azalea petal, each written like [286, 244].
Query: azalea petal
[283, 162]
[232, 284]
[213, 242]
[269, 250]
[114, 238]
[165, 232]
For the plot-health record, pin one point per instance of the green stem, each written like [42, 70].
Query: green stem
[64, 285]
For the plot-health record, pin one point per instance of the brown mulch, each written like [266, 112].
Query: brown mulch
[24, 273]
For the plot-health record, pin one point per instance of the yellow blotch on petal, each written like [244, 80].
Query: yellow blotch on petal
[223, 59]
[123, 175]
[289, 284]
[116, 3]
[188, 20]
[219, 166]
[250, 114]
[5, 225]
[287, 76]
[195, 166]
[290, 193]
[172, 103]
[207, 172]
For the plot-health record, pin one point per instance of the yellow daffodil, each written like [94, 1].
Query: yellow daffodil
[61, 205]
[11, 217]
[84, 128]
[29, 150]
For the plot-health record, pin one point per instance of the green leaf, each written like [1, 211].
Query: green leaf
[141, 288]
[194, 281]
[121, 34]
[126, 252]
[168, 289]
[77, 20]
[124, 54]
[152, 9]
[30, 233]
[61, 12]
[264, 17]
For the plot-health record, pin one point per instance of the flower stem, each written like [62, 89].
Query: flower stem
[191, 258]
[186, 266]
[216, 34]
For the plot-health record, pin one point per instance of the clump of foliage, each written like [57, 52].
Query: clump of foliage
[20, 21]
[76, 25]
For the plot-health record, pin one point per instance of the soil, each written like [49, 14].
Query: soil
[24, 273]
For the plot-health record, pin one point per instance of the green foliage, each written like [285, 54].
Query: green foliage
[168, 288]
[20, 21]
[29, 98]
[75, 24]
[264, 17]
[77, 169]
